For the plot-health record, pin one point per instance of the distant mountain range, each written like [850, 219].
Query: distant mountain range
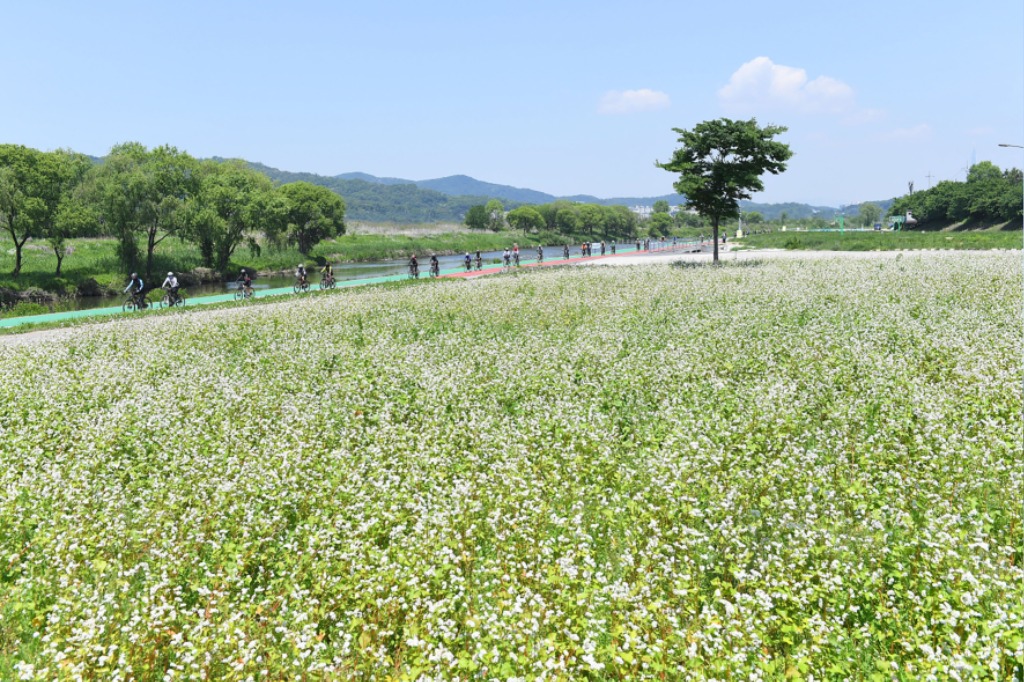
[372, 198]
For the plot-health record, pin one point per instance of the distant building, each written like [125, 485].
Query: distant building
[644, 212]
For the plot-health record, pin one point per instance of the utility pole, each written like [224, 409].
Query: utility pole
[929, 176]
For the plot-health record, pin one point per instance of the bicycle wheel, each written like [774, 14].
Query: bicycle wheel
[239, 294]
[166, 301]
[129, 306]
[297, 287]
[179, 300]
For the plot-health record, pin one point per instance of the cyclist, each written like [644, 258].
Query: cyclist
[245, 282]
[540, 253]
[134, 288]
[565, 251]
[414, 267]
[506, 257]
[300, 274]
[327, 272]
[479, 261]
[602, 248]
[515, 253]
[435, 266]
[467, 261]
[171, 285]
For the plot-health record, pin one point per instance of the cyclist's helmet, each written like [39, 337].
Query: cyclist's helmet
[170, 274]
[135, 275]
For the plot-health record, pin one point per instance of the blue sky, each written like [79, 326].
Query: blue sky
[566, 97]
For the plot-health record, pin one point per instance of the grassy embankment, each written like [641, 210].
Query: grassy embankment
[885, 241]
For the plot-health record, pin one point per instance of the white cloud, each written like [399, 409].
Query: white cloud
[763, 84]
[631, 101]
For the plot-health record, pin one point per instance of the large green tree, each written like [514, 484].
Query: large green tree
[592, 218]
[525, 218]
[721, 162]
[495, 214]
[314, 213]
[142, 194]
[619, 222]
[33, 186]
[659, 224]
[20, 206]
[869, 213]
[233, 206]
[68, 214]
[476, 217]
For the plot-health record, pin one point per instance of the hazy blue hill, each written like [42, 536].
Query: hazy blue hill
[447, 199]
[366, 177]
[463, 185]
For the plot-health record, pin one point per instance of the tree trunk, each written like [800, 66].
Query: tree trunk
[150, 247]
[17, 256]
[714, 238]
[59, 253]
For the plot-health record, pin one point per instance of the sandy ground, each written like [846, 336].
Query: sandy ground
[726, 254]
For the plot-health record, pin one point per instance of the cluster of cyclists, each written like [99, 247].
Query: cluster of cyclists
[244, 288]
[136, 288]
[509, 259]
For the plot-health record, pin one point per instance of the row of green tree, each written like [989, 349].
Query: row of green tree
[563, 217]
[988, 196]
[142, 196]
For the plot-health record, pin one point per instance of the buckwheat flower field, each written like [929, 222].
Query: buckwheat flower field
[784, 470]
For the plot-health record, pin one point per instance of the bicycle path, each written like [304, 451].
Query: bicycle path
[45, 318]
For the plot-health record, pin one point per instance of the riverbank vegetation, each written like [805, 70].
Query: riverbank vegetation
[834, 491]
[883, 240]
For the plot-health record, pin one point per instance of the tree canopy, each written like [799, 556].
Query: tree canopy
[721, 162]
[988, 196]
[313, 213]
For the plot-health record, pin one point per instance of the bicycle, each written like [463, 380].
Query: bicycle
[506, 264]
[515, 259]
[479, 263]
[327, 282]
[414, 271]
[300, 285]
[243, 293]
[132, 303]
[171, 299]
[435, 270]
